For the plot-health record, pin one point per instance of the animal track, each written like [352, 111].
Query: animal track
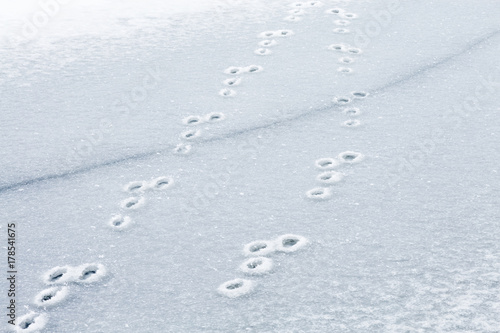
[350, 157]
[182, 149]
[258, 248]
[293, 18]
[342, 100]
[236, 288]
[290, 243]
[90, 273]
[132, 203]
[194, 120]
[119, 222]
[227, 92]
[354, 50]
[338, 47]
[268, 42]
[329, 177]
[190, 134]
[342, 22]
[232, 81]
[319, 193]
[334, 11]
[359, 94]
[31, 322]
[162, 183]
[233, 70]
[351, 123]
[346, 60]
[135, 187]
[263, 51]
[214, 117]
[51, 296]
[349, 15]
[345, 70]
[341, 31]
[257, 266]
[297, 11]
[352, 112]
[58, 275]
[253, 69]
[326, 163]
[276, 33]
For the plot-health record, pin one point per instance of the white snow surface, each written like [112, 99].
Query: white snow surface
[408, 241]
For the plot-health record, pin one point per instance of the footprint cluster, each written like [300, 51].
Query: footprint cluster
[328, 176]
[269, 41]
[258, 262]
[137, 199]
[342, 27]
[351, 112]
[296, 14]
[237, 71]
[59, 280]
[192, 131]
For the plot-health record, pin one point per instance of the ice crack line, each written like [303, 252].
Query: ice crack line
[287, 119]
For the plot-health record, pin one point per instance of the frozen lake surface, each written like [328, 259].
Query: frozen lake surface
[270, 166]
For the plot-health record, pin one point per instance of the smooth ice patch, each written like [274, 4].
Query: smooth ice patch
[263, 51]
[330, 177]
[214, 117]
[351, 157]
[193, 120]
[351, 123]
[182, 149]
[232, 81]
[290, 243]
[258, 248]
[51, 296]
[59, 275]
[257, 266]
[161, 183]
[227, 92]
[119, 222]
[268, 42]
[31, 322]
[352, 112]
[133, 203]
[236, 288]
[233, 70]
[319, 193]
[90, 273]
[190, 134]
[326, 163]
[138, 186]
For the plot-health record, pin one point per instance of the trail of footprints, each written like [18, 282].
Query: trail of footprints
[61, 280]
[328, 176]
[259, 262]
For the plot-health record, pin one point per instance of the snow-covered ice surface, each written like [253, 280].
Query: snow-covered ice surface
[408, 241]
